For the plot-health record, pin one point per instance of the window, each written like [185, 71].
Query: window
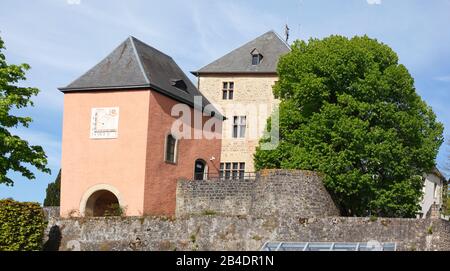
[171, 144]
[435, 191]
[256, 59]
[239, 125]
[232, 170]
[241, 170]
[227, 170]
[235, 170]
[200, 170]
[228, 90]
[180, 84]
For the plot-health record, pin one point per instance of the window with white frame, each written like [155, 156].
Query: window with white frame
[256, 57]
[228, 91]
[239, 126]
[232, 170]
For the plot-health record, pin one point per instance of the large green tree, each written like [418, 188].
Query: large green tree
[350, 110]
[16, 153]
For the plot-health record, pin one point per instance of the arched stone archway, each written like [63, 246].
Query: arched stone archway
[102, 203]
[101, 200]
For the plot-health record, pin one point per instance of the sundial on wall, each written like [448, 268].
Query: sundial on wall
[105, 123]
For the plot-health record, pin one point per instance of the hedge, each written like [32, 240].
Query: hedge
[22, 226]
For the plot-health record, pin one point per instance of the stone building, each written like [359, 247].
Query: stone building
[240, 85]
[432, 193]
[118, 146]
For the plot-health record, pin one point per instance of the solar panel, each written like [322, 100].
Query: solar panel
[328, 246]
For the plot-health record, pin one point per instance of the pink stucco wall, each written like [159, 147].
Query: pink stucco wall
[134, 162]
[117, 162]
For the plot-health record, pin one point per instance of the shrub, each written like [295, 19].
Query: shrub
[22, 226]
[114, 209]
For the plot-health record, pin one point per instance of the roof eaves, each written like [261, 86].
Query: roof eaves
[439, 174]
[197, 73]
[180, 99]
[105, 88]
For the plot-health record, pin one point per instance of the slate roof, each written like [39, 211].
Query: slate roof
[135, 64]
[439, 174]
[269, 45]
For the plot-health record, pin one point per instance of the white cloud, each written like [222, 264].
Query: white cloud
[374, 2]
[443, 78]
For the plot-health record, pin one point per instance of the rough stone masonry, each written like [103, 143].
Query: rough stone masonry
[289, 206]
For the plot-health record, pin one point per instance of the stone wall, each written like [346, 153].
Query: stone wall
[287, 206]
[206, 232]
[225, 197]
[51, 212]
[273, 193]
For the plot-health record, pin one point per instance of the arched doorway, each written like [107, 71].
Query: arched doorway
[103, 203]
[200, 170]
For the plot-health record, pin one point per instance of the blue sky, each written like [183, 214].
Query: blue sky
[61, 39]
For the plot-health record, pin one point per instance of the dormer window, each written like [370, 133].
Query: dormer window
[179, 84]
[256, 57]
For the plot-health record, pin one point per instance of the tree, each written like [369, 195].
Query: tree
[350, 110]
[16, 153]
[53, 194]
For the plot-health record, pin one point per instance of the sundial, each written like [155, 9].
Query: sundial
[105, 123]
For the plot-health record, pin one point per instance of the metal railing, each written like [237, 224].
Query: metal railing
[328, 246]
[227, 176]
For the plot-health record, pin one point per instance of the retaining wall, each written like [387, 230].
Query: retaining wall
[206, 232]
[273, 192]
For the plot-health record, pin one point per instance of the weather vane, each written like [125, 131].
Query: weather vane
[286, 32]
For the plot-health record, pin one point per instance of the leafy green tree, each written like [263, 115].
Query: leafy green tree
[15, 152]
[350, 110]
[53, 195]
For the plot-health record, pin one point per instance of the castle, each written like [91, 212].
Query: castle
[134, 125]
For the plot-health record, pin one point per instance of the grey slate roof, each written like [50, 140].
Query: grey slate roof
[269, 45]
[135, 64]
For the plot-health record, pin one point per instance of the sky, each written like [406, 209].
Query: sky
[62, 39]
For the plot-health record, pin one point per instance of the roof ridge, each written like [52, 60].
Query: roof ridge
[233, 50]
[133, 39]
[276, 46]
[141, 66]
[149, 46]
[93, 67]
[280, 38]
